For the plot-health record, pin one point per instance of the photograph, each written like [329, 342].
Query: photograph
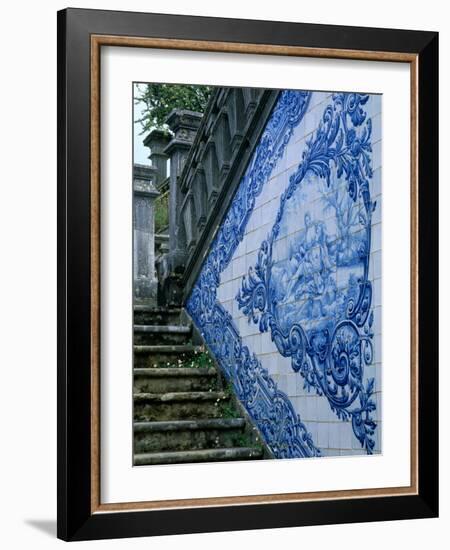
[247, 269]
[257, 289]
[228, 254]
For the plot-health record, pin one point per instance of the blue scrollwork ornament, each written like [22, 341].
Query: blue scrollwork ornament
[316, 302]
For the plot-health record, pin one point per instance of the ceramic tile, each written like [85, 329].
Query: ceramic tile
[311, 305]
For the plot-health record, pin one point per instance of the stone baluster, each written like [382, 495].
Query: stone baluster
[184, 125]
[144, 194]
[157, 141]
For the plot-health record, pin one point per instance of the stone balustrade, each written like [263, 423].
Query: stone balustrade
[157, 141]
[208, 156]
[144, 194]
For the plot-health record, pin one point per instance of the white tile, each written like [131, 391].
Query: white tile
[256, 344]
[375, 103]
[376, 237]
[376, 214]
[299, 403]
[283, 363]
[250, 260]
[379, 376]
[267, 346]
[356, 445]
[227, 273]
[376, 259]
[244, 327]
[378, 437]
[228, 305]
[377, 349]
[282, 382]
[370, 372]
[322, 434]
[311, 407]
[252, 241]
[220, 293]
[345, 435]
[376, 155]
[269, 362]
[291, 384]
[312, 428]
[376, 128]
[239, 267]
[333, 436]
[300, 382]
[293, 155]
[377, 293]
[316, 98]
[246, 340]
[376, 182]
[323, 409]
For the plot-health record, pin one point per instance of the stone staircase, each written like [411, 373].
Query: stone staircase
[183, 409]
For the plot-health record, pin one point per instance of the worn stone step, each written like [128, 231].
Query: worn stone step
[185, 329]
[182, 435]
[170, 329]
[192, 425]
[157, 310]
[148, 315]
[167, 348]
[151, 355]
[204, 455]
[172, 397]
[175, 372]
[162, 334]
[179, 405]
[162, 380]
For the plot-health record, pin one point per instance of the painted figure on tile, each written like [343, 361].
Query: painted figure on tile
[307, 276]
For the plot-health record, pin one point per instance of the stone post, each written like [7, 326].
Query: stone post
[144, 194]
[157, 141]
[184, 125]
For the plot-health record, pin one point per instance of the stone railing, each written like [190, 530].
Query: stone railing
[144, 195]
[162, 213]
[208, 156]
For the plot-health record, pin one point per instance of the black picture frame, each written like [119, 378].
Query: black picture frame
[76, 519]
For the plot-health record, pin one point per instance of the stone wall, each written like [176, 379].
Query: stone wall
[289, 295]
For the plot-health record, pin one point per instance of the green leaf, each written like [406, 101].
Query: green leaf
[160, 99]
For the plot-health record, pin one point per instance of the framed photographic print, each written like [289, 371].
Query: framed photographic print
[247, 274]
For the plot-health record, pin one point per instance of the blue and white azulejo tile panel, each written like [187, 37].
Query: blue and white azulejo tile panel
[289, 296]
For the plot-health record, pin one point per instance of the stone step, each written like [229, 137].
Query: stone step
[149, 407]
[191, 425]
[156, 310]
[163, 380]
[175, 372]
[181, 413]
[162, 334]
[181, 396]
[148, 315]
[204, 455]
[183, 435]
[171, 329]
[151, 355]
[167, 348]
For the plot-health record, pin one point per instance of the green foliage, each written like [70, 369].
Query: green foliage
[161, 212]
[160, 99]
[228, 410]
[196, 360]
[201, 360]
